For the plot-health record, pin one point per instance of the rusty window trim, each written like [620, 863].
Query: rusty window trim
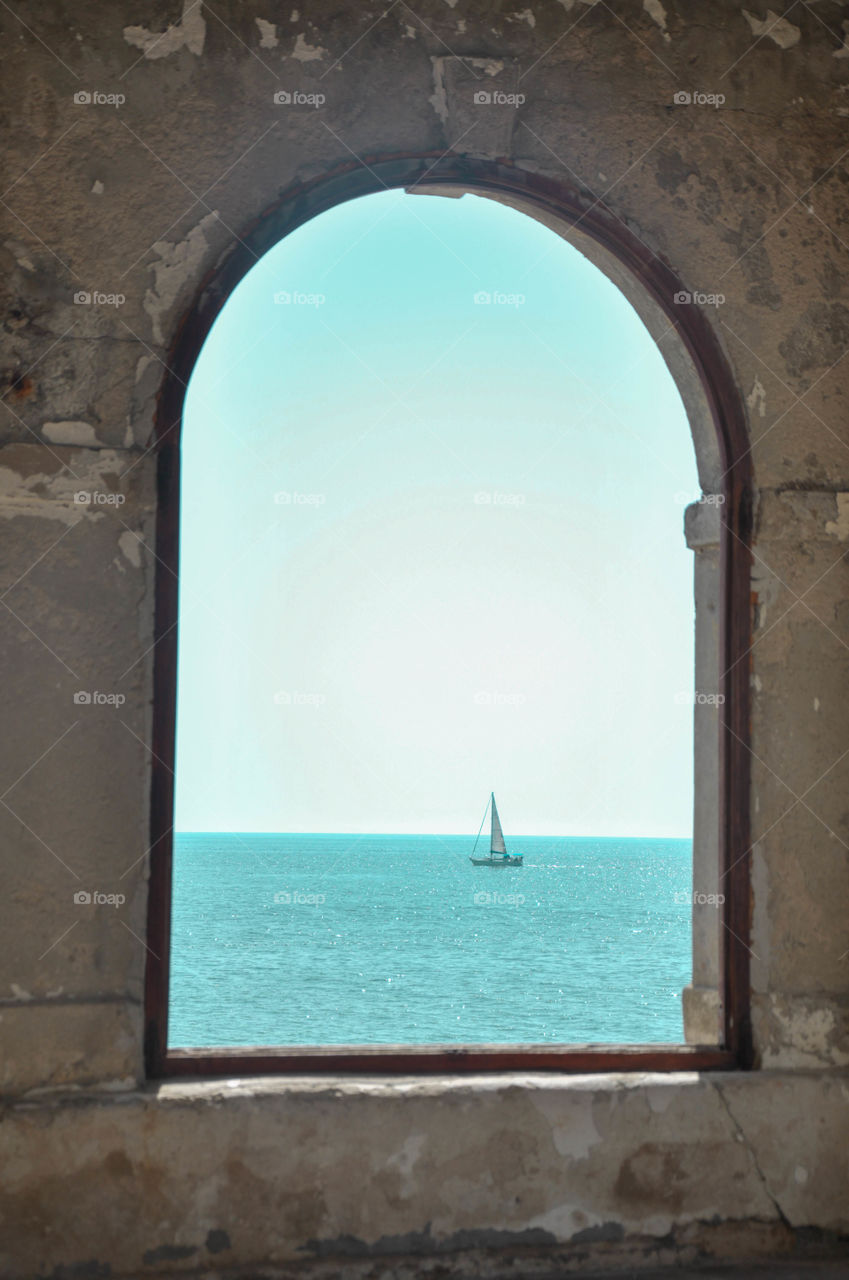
[297, 206]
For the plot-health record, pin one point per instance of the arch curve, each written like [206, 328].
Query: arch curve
[694, 356]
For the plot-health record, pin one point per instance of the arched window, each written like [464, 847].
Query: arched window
[402, 572]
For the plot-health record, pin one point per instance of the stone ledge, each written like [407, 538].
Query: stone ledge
[300, 1171]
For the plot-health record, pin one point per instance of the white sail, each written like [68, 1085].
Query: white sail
[496, 842]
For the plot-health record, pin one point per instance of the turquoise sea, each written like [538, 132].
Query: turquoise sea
[343, 939]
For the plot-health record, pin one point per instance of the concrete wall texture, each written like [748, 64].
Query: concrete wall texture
[142, 141]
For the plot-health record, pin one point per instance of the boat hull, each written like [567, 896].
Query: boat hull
[497, 862]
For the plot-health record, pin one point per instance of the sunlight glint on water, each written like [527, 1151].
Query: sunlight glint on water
[335, 939]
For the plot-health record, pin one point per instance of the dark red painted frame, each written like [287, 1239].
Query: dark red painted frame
[295, 207]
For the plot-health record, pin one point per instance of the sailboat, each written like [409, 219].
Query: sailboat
[498, 855]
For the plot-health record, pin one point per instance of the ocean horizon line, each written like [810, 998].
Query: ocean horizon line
[419, 835]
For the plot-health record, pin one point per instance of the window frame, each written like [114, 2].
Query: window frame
[552, 200]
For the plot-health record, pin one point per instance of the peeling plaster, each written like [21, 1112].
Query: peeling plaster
[840, 526]
[267, 34]
[565, 1222]
[131, 548]
[843, 52]
[81, 434]
[20, 254]
[177, 267]
[51, 497]
[405, 1162]
[189, 31]
[658, 1100]
[757, 398]
[767, 590]
[657, 13]
[760, 899]
[525, 15]
[569, 5]
[779, 30]
[804, 1034]
[98, 188]
[439, 99]
[304, 52]
[141, 365]
[573, 1132]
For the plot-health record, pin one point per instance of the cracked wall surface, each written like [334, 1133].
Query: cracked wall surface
[142, 143]
[534, 1165]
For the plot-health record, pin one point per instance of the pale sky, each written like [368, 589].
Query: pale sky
[432, 546]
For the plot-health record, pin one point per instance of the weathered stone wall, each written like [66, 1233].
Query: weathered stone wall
[744, 198]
